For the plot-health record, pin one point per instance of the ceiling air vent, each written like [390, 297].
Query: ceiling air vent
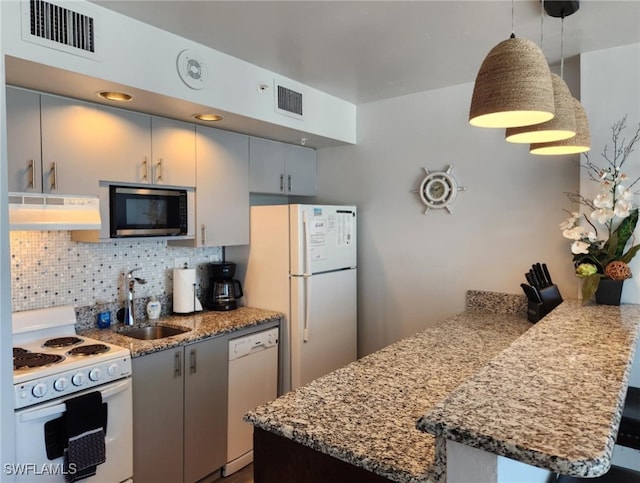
[51, 25]
[289, 102]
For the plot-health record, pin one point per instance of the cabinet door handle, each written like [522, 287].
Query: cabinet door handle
[192, 363]
[289, 183]
[178, 365]
[54, 175]
[203, 230]
[159, 171]
[282, 183]
[145, 169]
[32, 174]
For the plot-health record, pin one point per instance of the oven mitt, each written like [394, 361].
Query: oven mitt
[86, 446]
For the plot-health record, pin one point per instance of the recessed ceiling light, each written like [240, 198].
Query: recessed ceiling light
[208, 117]
[115, 96]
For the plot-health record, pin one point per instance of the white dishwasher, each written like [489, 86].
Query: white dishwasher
[253, 380]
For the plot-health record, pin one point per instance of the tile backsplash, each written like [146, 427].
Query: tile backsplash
[48, 269]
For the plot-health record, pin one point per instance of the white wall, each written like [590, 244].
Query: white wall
[416, 268]
[611, 89]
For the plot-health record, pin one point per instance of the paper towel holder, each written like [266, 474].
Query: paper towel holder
[185, 300]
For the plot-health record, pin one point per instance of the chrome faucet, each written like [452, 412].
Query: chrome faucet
[130, 281]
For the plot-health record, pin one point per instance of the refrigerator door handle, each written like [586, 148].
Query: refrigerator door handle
[305, 332]
[306, 275]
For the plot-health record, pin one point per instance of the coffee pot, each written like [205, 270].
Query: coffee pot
[224, 291]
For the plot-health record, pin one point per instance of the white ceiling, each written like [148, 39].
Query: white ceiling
[363, 51]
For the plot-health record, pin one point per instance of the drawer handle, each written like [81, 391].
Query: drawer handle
[54, 175]
[32, 171]
[145, 169]
[178, 365]
[159, 171]
[192, 365]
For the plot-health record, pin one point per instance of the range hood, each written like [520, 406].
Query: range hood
[36, 211]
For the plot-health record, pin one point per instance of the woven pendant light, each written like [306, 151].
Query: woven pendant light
[580, 143]
[513, 87]
[562, 126]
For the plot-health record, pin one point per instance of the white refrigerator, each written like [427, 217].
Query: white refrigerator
[302, 262]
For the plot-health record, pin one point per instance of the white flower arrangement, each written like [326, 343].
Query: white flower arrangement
[613, 210]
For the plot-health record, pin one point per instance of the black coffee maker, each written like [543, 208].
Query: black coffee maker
[224, 290]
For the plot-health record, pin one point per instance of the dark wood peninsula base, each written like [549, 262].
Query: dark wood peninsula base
[280, 460]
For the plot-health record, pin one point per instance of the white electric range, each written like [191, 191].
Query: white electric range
[52, 365]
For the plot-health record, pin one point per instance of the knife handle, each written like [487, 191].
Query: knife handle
[532, 294]
[537, 270]
[545, 270]
[535, 278]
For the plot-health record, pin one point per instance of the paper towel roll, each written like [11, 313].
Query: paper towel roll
[184, 291]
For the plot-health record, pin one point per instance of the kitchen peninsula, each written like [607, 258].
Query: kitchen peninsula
[360, 421]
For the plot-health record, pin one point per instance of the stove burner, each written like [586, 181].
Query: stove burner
[62, 342]
[19, 350]
[35, 359]
[88, 350]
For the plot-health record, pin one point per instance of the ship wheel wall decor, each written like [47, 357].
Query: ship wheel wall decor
[438, 189]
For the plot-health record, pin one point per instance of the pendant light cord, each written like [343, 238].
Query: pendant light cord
[542, 26]
[562, 48]
[513, 16]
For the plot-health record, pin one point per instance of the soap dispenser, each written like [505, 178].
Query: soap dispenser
[153, 308]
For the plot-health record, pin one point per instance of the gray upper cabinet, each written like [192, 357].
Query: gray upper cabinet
[222, 189]
[23, 140]
[124, 152]
[301, 170]
[142, 149]
[84, 143]
[279, 168]
[64, 131]
[173, 151]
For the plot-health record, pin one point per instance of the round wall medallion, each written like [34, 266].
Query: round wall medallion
[192, 69]
[438, 189]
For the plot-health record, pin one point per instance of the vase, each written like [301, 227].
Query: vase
[609, 291]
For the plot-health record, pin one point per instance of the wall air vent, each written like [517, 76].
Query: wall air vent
[60, 28]
[288, 102]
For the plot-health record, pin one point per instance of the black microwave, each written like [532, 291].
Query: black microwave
[147, 211]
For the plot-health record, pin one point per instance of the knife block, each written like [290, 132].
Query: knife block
[551, 298]
[535, 311]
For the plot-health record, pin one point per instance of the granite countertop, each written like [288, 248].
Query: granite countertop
[365, 413]
[202, 324]
[554, 398]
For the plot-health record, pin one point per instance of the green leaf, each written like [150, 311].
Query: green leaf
[626, 258]
[589, 287]
[624, 231]
[611, 247]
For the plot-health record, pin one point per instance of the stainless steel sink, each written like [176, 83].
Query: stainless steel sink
[154, 332]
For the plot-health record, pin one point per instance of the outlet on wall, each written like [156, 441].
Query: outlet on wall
[181, 262]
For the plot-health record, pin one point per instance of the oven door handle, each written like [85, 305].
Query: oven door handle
[30, 415]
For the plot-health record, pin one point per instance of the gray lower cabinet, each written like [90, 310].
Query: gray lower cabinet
[180, 412]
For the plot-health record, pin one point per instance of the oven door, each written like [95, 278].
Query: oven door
[32, 463]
